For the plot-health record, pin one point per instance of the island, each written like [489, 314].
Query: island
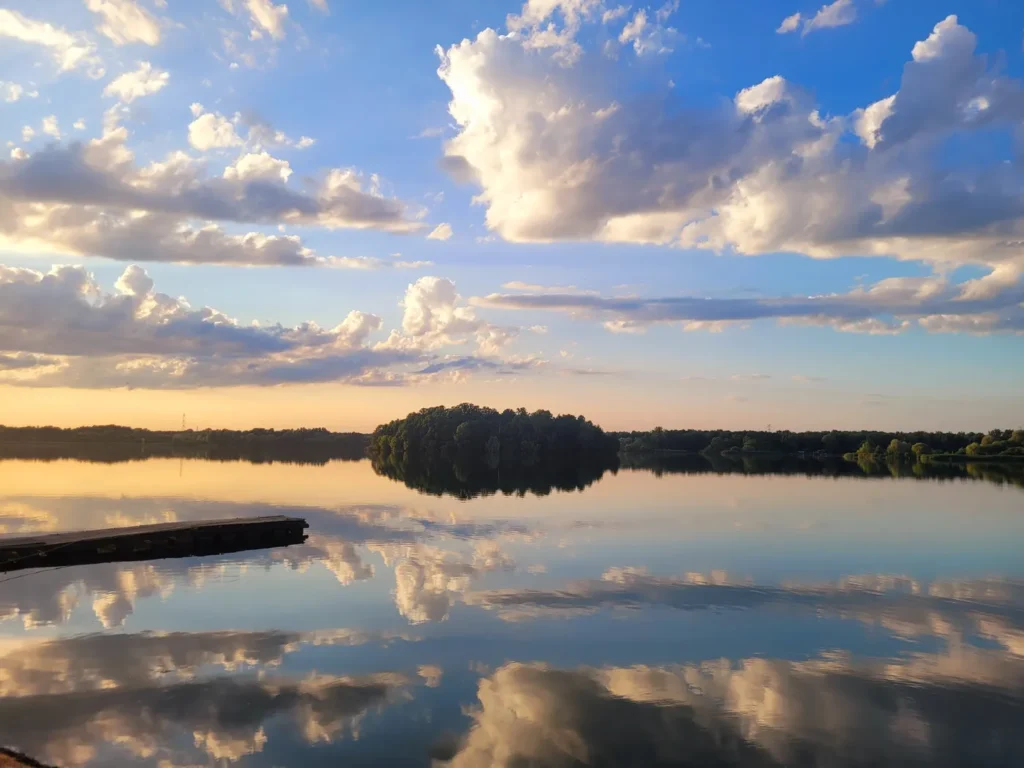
[470, 450]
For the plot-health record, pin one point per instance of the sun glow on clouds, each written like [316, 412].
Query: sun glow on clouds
[69, 332]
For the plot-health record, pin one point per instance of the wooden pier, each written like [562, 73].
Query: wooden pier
[150, 542]
[11, 759]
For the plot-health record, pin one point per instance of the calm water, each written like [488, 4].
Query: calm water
[681, 619]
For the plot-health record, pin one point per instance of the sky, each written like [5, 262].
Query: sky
[332, 212]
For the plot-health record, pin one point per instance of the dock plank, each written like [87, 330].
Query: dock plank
[56, 539]
[150, 542]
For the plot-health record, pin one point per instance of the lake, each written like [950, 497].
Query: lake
[677, 618]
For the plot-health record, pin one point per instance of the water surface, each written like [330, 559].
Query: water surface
[674, 619]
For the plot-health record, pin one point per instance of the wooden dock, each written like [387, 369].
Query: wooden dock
[11, 759]
[150, 542]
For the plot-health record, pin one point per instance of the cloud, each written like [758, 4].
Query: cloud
[62, 329]
[911, 609]
[50, 127]
[428, 580]
[10, 92]
[70, 50]
[92, 199]
[518, 285]
[258, 165]
[269, 17]
[649, 37]
[372, 262]
[836, 14]
[21, 360]
[125, 22]
[141, 82]
[441, 232]
[755, 712]
[789, 24]
[434, 316]
[320, 5]
[261, 133]
[890, 306]
[220, 719]
[614, 14]
[142, 338]
[559, 155]
[431, 674]
[453, 364]
[90, 663]
[212, 131]
[538, 29]
[431, 309]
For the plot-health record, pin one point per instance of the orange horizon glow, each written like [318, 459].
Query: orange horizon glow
[614, 405]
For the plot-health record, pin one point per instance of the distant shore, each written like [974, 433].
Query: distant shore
[115, 443]
[118, 443]
[852, 445]
[942, 458]
[954, 458]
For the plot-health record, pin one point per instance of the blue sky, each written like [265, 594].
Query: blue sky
[685, 213]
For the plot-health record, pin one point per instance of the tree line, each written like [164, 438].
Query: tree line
[111, 443]
[661, 464]
[854, 443]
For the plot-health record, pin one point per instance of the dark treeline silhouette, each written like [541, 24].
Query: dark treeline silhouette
[116, 444]
[1004, 443]
[467, 480]
[739, 464]
[469, 450]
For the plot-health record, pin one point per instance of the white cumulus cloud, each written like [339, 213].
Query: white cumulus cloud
[125, 22]
[141, 82]
[268, 17]
[50, 126]
[441, 232]
[558, 156]
[69, 50]
[212, 131]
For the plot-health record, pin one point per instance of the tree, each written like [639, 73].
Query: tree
[472, 436]
[920, 449]
[898, 447]
[866, 450]
[1017, 436]
[974, 449]
[493, 451]
[988, 440]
